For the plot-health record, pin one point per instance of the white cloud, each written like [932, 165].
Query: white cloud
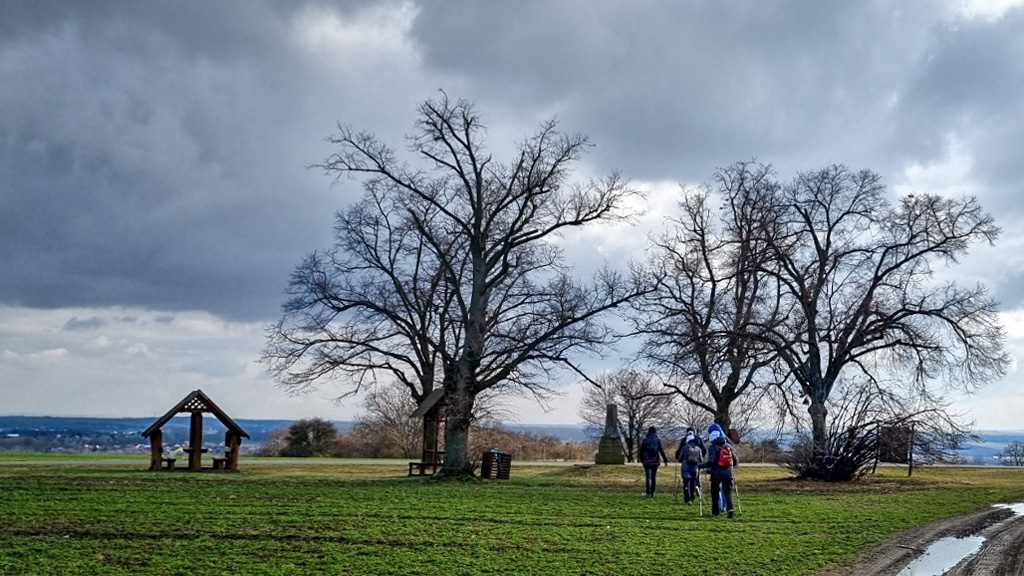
[367, 38]
[950, 176]
[154, 363]
[989, 10]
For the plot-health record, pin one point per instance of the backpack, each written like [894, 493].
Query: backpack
[725, 458]
[649, 446]
[693, 454]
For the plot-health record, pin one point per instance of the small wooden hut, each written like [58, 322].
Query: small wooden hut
[434, 414]
[196, 404]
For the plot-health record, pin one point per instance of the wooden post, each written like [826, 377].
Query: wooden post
[156, 449]
[910, 452]
[195, 442]
[233, 445]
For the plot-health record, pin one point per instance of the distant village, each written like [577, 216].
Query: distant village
[122, 436]
[113, 435]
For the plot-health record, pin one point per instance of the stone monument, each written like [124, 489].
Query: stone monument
[609, 451]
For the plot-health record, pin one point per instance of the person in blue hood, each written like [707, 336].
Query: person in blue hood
[720, 463]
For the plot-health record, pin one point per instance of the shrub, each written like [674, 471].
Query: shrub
[310, 437]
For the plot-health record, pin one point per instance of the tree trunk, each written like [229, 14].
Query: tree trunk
[819, 430]
[457, 461]
[722, 414]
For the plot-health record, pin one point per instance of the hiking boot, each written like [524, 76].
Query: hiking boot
[730, 513]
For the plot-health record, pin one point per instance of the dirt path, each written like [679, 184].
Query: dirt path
[1002, 553]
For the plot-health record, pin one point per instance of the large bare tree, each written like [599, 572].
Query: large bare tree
[862, 299]
[505, 313]
[712, 304]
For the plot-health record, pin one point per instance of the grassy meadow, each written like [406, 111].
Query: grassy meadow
[303, 518]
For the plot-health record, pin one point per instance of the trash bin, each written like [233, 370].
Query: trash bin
[496, 464]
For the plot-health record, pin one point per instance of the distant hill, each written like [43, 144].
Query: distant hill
[564, 432]
[111, 433]
[128, 431]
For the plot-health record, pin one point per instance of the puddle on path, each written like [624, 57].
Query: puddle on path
[945, 553]
[1017, 507]
[942, 555]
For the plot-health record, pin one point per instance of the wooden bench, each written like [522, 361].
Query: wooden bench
[422, 467]
[168, 463]
[220, 462]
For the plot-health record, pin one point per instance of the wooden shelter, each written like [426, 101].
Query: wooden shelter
[434, 412]
[196, 404]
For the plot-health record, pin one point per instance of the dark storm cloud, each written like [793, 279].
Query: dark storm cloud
[970, 87]
[75, 324]
[675, 88]
[154, 156]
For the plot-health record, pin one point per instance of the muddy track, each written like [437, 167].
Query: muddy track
[1002, 554]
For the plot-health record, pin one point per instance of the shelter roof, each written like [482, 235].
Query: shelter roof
[197, 401]
[428, 403]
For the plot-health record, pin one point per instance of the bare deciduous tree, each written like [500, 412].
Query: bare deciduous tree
[386, 422]
[1013, 454]
[862, 303]
[704, 321]
[642, 402]
[367, 310]
[488, 294]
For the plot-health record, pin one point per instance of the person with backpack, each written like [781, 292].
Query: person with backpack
[650, 450]
[690, 454]
[720, 463]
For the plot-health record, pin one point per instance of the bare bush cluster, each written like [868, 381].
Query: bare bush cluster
[368, 440]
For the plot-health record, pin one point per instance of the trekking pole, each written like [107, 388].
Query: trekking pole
[700, 494]
[736, 496]
[677, 483]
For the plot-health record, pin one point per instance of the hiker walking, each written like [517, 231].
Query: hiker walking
[690, 454]
[720, 463]
[650, 451]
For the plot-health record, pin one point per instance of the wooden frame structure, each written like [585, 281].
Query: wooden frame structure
[434, 412]
[196, 404]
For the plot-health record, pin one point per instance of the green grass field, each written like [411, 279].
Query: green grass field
[277, 519]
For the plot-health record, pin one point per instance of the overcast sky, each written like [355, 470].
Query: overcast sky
[155, 195]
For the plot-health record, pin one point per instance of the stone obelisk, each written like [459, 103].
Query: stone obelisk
[609, 451]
